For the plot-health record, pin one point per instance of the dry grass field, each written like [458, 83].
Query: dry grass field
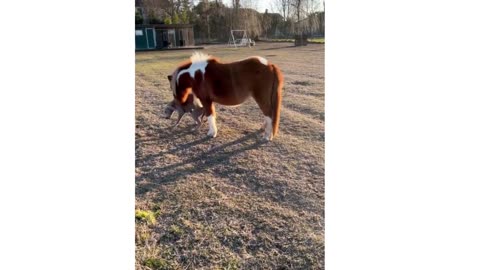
[235, 201]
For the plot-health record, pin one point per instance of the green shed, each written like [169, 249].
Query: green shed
[144, 38]
[163, 36]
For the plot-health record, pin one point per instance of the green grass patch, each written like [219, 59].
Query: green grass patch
[147, 216]
[317, 40]
[312, 40]
[231, 264]
[157, 263]
[176, 230]
[144, 236]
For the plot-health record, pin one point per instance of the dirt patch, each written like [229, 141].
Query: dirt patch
[233, 202]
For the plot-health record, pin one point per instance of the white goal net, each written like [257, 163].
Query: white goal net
[239, 38]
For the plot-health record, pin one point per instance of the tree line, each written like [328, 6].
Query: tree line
[213, 20]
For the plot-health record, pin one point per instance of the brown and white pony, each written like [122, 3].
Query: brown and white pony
[230, 84]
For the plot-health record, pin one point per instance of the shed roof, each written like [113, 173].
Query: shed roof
[165, 26]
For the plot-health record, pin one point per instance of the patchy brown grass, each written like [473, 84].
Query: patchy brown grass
[233, 202]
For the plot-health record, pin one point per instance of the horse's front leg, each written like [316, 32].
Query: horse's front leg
[210, 113]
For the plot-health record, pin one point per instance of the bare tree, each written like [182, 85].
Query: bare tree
[297, 6]
[234, 14]
[266, 22]
[152, 9]
[282, 7]
[312, 6]
[246, 17]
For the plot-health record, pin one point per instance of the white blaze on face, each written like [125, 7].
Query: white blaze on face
[212, 126]
[268, 128]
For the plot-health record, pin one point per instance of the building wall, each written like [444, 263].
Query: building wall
[140, 39]
[164, 37]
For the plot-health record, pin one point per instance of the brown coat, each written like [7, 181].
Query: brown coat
[230, 84]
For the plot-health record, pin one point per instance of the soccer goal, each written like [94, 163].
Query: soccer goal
[239, 38]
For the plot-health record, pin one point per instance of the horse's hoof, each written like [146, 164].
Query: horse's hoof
[212, 134]
[268, 137]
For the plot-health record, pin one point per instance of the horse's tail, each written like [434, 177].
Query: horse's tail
[276, 98]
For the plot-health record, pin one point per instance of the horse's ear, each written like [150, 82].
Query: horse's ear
[169, 77]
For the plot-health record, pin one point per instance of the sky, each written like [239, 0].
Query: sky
[265, 4]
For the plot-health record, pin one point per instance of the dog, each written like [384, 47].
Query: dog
[192, 106]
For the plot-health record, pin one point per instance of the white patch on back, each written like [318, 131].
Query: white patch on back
[199, 62]
[262, 60]
[259, 58]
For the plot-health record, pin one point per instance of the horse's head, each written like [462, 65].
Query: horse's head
[181, 85]
[188, 74]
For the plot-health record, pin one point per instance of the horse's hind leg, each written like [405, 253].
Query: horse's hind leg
[263, 102]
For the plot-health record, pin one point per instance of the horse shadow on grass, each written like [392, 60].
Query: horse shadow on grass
[219, 160]
[214, 157]
[192, 154]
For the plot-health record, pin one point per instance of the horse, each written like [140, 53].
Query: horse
[230, 84]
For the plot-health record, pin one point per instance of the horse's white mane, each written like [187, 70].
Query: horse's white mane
[199, 62]
[199, 57]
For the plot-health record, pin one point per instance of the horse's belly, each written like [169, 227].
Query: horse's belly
[231, 98]
[231, 101]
